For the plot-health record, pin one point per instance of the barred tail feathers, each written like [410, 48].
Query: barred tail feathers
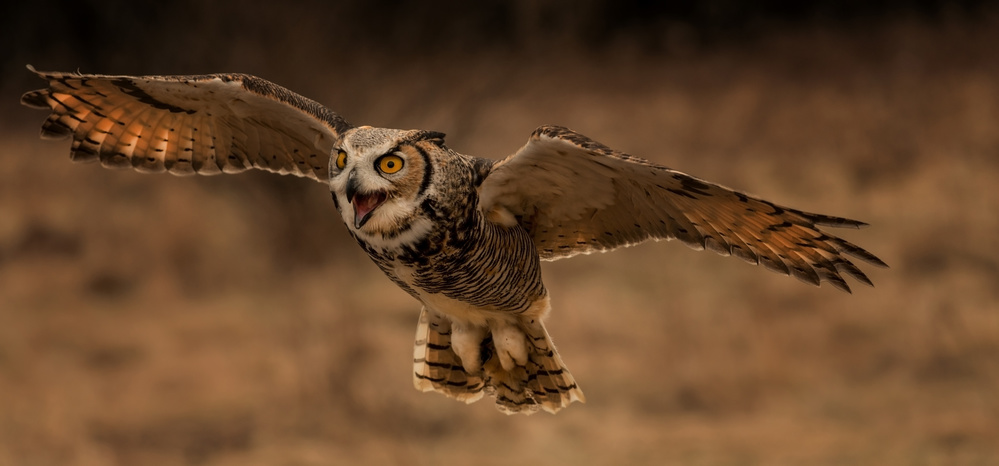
[436, 367]
[543, 383]
[549, 382]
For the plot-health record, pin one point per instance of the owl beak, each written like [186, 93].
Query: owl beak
[352, 186]
[364, 203]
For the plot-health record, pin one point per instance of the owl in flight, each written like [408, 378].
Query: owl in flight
[463, 235]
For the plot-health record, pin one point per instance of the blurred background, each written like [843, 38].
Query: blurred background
[156, 320]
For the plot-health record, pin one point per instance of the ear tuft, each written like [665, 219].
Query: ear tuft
[435, 137]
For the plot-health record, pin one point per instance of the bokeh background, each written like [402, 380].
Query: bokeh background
[156, 320]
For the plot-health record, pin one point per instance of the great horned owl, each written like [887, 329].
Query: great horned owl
[463, 235]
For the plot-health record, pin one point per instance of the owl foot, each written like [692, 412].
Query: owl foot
[466, 341]
[511, 346]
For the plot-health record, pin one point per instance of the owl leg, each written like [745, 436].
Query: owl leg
[466, 341]
[541, 381]
[436, 367]
[511, 345]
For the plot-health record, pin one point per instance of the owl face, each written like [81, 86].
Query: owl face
[379, 177]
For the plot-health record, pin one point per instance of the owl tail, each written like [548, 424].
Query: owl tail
[543, 382]
[436, 367]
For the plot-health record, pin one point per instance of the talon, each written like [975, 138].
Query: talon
[466, 342]
[511, 346]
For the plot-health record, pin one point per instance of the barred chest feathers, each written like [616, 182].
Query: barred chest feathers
[469, 269]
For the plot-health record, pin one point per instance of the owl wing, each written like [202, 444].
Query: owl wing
[577, 196]
[207, 124]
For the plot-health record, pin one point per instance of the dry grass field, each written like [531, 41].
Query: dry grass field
[156, 320]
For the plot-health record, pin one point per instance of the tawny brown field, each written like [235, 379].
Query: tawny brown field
[165, 320]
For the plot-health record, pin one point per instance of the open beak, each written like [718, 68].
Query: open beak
[364, 203]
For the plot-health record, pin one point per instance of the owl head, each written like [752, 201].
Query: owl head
[379, 179]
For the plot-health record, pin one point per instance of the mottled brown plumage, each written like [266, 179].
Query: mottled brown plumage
[577, 196]
[463, 235]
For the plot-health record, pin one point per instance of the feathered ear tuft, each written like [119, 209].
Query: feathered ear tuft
[435, 137]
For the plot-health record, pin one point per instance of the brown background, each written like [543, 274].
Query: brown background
[229, 320]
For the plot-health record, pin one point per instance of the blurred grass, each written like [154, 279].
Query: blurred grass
[230, 320]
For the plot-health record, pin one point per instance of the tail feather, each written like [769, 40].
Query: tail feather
[435, 365]
[549, 381]
[543, 383]
[510, 388]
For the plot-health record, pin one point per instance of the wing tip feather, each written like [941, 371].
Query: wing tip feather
[53, 130]
[37, 99]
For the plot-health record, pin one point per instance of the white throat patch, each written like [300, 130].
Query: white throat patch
[417, 230]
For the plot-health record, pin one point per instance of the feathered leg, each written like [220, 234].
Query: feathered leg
[517, 364]
[543, 382]
[436, 367]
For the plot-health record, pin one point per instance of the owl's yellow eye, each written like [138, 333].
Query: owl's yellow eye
[390, 164]
[341, 159]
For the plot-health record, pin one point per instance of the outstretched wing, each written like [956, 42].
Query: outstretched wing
[577, 196]
[208, 124]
